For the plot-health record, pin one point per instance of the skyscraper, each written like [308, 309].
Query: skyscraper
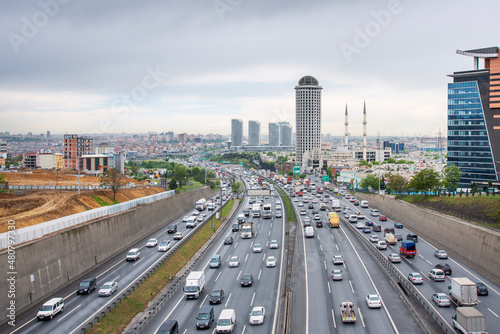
[474, 118]
[285, 134]
[274, 134]
[253, 133]
[308, 122]
[74, 147]
[236, 132]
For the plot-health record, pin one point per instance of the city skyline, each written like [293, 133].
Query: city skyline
[114, 78]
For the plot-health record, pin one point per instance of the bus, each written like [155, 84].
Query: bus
[334, 219]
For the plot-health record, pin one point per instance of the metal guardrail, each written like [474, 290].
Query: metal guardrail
[37, 231]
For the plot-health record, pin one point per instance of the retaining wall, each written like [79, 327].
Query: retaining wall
[47, 264]
[476, 246]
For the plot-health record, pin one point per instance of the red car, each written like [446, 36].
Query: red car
[382, 218]
[293, 195]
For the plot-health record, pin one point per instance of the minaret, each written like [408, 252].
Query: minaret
[346, 123]
[364, 131]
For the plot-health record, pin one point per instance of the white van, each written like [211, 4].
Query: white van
[50, 309]
[227, 321]
[437, 275]
[309, 232]
[374, 212]
[364, 204]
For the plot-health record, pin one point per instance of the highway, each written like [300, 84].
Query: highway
[80, 309]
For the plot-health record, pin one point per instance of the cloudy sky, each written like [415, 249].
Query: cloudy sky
[88, 66]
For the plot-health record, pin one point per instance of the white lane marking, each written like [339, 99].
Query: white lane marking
[420, 255]
[264, 257]
[332, 236]
[228, 257]
[480, 280]
[246, 257]
[333, 317]
[271, 225]
[425, 275]
[242, 332]
[279, 280]
[260, 272]
[404, 257]
[228, 298]
[136, 262]
[352, 289]
[239, 274]
[324, 262]
[329, 289]
[68, 313]
[269, 234]
[337, 247]
[429, 262]
[361, 316]
[320, 247]
[306, 281]
[343, 263]
[236, 244]
[496, 315]
[218, 276]
[253, 297]
[204, 299]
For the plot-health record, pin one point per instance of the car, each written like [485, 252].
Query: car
[295, 199]
[315, 212]
[300, 204]
[195, 213]
[216, 296]
[413, 237]
[228, 241]
[108, 288]
[394, 258]
[374, 238]
[389, 230]
[415, 278]
[185, 218]
[367, 229]
[315, 200]
[352, 199]
[273, 244]
[398, 237]
[86, 286]
[441, 254]
[235, 227]
[398, 225]
[133, 254]
[164, 246]
[441, 299]
[437, 275]
[234, 262]
[445, 267]
[152, 242]
[360, 225]
[381, 245]
[482, 289]
[353, 219]
[246, 280]
[373, 301]
[178, 236]
[361, 215]
[317, 217]
[368, 223]
[278, 207]
[319, 223]
[257, 248]
[305, 199]
[382, 218]
[310, 206]
[278, 214]
[303, 212]
[257, 315]
[271, 262]
[374, 213]
[173, 228]
[338, 259]
[278, 201]
[337, 275]
[356, 203]
[200, 218]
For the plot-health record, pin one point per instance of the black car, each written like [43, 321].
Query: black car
[319, 223]
[246, 280]
[315, 212]
[172, 228]
[216, 296]
[413, 237]
[482, 290]
[228, 241]
[310, 206]
[398, 225]
[444, 267]
[86, 286]
[235, 227]
[356, 203]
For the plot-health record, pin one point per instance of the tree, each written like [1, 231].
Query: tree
[112, 179]
[172, 185]
[2, 179]
[290, 173]
[238, 188]
[425, 180]
[362, 163]
[473, 188]
[180, 175]
[370, 181]
[396, 182]
[452, 175]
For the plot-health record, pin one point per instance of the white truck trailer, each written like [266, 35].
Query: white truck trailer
[468, 320]
[463, 291]
[195, 284]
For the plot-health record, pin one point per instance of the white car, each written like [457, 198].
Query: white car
[257, 248]
[257, 315]
[300, 204]
[164, 246]
[295, 199]
[337, 275]
[373, 301]
[185, 219]
[195, 213]
[360, 225]
[152, 242]
[394, 258]
[315, 200]
[381, 245]
[317, 217]
[441, 254]
[374, 238]
[441, 299]
[278, 206]
[278, 202]
[415, 278]
[353, 219]
[108, 288]
[271, 262]
[273, 244]
[234, 262]
[338, 259]
[178, 236]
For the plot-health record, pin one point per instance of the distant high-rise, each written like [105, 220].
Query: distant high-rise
[364, 131]
[308, 122]
[48, 135]
[74, 148]
[236, 132]
[474, 119]
[274, 134]
[285, 134]
[253, 133]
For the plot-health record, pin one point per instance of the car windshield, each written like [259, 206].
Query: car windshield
[256, 313]
[203, 316]
[224, 322]
[234, 259]
[216, 294]
[164, 243]
[151, 240]
[46, 308]
[106, 286]
[374, 298]
[417, 276]
[86, 283]
[246, 277]
[191, 288]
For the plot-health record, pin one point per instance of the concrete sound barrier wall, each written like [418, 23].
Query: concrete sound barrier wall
[42, 266]
[476, 246]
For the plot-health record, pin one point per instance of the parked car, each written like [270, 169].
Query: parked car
[108, 288]
[216, 296]
[86, 286]
[234, 262]
[394, 258]
[415, 278]
[257, 315]
[373, 301]
[445, 267]
[337, 275]
[164, 246]
[271, 261]
[338, 259]
[441, 299]
[152, 242]
[441, 254]
[273, 244]
[482, 289]
[246, 280]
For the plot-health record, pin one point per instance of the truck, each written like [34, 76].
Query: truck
[211, 206]
[336, 204]
[391, 239]
[289, 179]
[334, 219]
[407, 248]
[247, 230]
[267, 214]
[327, 185]
[195, 284]
[469, 320]
[463, 291]
[307, 183]
[347, 312]
[319, 190]
[256, 210]
[201, 204]
[246, 212]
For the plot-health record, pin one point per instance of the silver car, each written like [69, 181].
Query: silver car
[234, 262]
[441, 299]
[108, 289]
